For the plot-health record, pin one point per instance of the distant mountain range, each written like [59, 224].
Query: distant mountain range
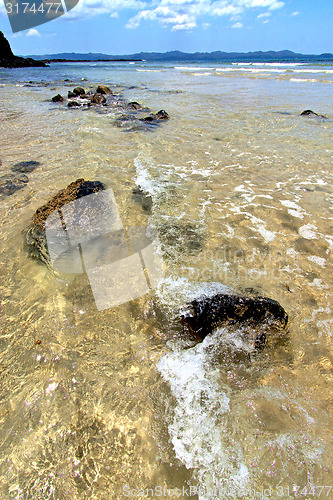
[176, 55]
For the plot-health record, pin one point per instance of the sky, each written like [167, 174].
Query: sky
[129, 26]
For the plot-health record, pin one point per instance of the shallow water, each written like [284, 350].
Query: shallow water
[100, 404]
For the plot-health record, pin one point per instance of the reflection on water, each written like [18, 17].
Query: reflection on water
[240, 190]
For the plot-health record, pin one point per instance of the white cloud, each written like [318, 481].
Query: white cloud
[295, 13]
[174, 14]
[276, 5]
[264, 14]
[237, 25]
[33, 32]
[90, 8]
[185, 26]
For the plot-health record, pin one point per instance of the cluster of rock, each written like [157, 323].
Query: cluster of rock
[8, 60]
[17, 178]
[103, 96]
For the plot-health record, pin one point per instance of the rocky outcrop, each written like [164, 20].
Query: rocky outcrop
[8, 60]
[203, 315]
[35, 236]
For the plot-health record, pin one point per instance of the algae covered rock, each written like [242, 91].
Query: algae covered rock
[35, 236]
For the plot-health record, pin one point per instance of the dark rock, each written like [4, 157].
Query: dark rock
[5, 49]
[12, 182]
[154, 117]
[134, 105]
[148, 119]
[161, 115]
[57, 98]
[309, 112]
[73, 104]
[78, 91]
[103, 89]
[206, 313]
[35, 236]
[25, 166]
[71, 94]
[8, 60]
[98, 99]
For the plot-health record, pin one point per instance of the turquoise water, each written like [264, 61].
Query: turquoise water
[102, 404]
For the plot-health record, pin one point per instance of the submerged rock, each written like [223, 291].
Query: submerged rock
[202, 315]
[35, 235]
[131, 123]
[180, 237]
[143, 198]
[309, 112]
[25, 166]
[57, 98]
[12, 182]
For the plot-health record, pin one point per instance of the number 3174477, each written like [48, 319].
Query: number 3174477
[31, 8]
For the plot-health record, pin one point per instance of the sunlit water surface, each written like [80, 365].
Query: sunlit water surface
[103, 404]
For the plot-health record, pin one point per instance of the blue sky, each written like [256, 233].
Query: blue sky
[128, 26]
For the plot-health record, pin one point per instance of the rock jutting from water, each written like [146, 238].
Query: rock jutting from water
[57, 98]
[35, 236]
[309, 112]
[204, 314]
[9, 60]
[103, 89]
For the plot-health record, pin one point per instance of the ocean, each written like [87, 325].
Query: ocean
[115, 402]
